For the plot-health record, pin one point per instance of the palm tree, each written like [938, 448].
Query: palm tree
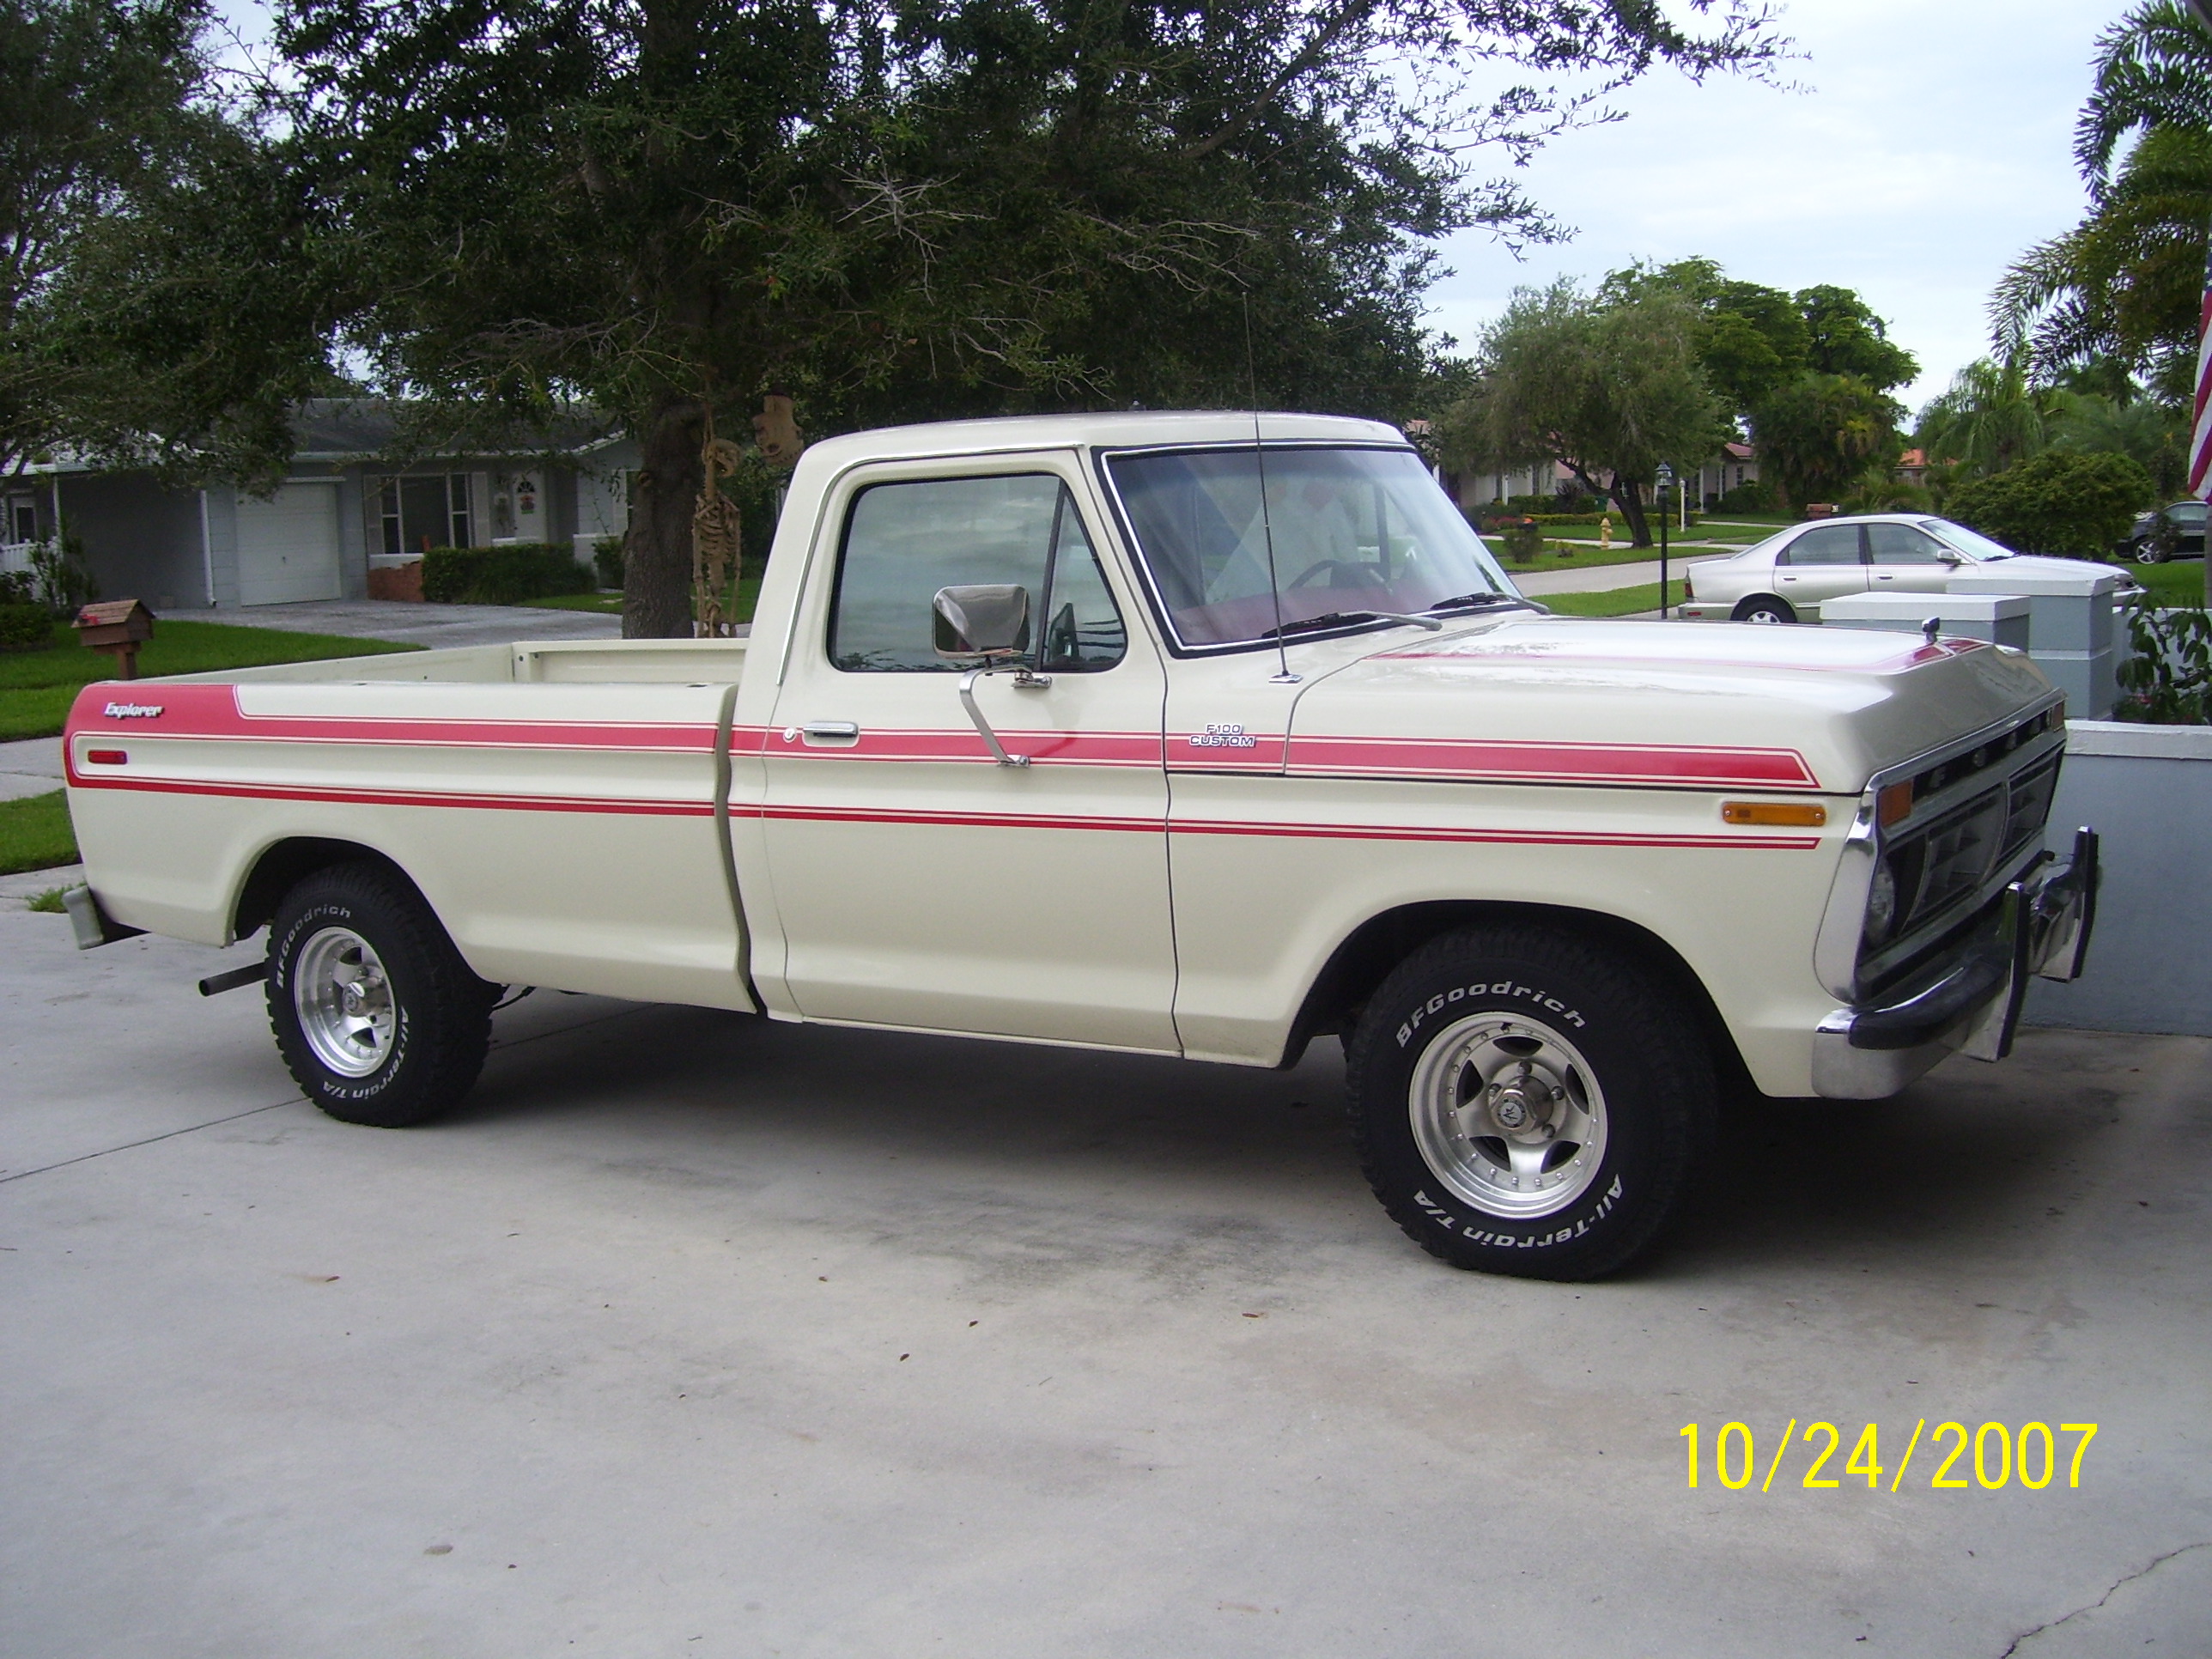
[2151, 433]
[1991, 417]
[2126, 283]
[2154, 70]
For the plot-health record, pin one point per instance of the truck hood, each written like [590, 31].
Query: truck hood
[1570, 700]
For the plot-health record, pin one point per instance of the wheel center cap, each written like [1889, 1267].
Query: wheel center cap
[1513, 1109]
[351, 996]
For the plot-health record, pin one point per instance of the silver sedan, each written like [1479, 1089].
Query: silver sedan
[1784, 578]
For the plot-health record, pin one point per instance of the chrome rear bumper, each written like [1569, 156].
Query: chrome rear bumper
[1971, 1005]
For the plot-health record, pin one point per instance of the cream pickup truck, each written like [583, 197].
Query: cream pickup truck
[1198, 735]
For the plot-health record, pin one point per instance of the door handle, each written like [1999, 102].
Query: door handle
[828, 734]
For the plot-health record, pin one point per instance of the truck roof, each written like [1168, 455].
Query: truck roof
[1116, 429]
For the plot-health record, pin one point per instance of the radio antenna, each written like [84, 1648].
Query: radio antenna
[1282, 675]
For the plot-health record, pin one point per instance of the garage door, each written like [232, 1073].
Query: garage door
[288, 546]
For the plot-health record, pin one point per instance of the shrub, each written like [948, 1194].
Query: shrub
[2075, 506]
[1523, 540]
[25, 627]
[1564, 501]
[1752, 497]
[607, 560]
[501, 575]
[65, 580]
[2168, 680]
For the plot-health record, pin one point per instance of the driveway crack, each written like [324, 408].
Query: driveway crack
[2155, 1562]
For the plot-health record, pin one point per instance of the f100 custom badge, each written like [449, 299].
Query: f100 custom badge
[1223, 734]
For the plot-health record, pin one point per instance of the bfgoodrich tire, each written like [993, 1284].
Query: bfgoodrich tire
[379, 1019]
[1526, 1103]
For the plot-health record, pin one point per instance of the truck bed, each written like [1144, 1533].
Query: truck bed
[564, 662]
[560, 804]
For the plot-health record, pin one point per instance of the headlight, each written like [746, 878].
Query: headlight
[1881, 903]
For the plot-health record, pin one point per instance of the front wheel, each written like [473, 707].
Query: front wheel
[1525, 1103]
[2150, 550]
[379, 1019]
[1764, 609]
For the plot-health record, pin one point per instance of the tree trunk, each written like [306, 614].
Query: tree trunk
[657, 551]
[1632, 508]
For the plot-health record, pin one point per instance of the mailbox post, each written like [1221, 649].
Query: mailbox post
[119, 626]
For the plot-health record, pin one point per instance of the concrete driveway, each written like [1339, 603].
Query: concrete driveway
[695, 1335]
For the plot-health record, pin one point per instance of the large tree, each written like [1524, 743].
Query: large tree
[668, 207]
[156, 305]
[1608, 387]
[1822, 432]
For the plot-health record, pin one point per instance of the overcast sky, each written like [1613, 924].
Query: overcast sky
[1928, 146]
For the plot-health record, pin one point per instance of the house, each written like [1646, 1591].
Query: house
[341, 512]
[1736, 465]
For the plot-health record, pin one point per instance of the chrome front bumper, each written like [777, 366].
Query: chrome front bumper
[2040, 929]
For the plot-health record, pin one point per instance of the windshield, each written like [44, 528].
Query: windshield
[1354, 531]
[1972, 542]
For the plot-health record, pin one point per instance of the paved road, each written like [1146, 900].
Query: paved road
[694, 1334]
[1600, 579]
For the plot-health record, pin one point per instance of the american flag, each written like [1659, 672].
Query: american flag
[2200, 439]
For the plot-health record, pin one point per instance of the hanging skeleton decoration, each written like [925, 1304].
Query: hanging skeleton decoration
[716, 541]
[717, 548]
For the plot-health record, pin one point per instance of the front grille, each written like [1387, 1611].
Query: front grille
[1940, 864]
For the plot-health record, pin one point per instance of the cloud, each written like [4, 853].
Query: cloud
[1924, 148]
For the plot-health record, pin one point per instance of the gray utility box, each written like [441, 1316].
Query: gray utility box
[2000, 618]
[2070, 622]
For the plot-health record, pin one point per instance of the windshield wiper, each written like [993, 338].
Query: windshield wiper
[1346, 619]
[1473, 601]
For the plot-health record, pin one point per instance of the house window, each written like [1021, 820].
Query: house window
[421, 511]
[22, 524]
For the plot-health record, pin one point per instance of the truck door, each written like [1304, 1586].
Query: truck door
[918, 882]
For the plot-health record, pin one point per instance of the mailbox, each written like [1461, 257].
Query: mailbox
[118, 626]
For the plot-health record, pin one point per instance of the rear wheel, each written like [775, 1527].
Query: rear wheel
[379, 1019]
[1764, 609]
[1526, 1103]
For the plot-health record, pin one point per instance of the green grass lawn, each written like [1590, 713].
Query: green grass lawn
[2178, 583]
[611, 604]
[1613, 602]
[1586, 555]
[35, 834]
[37, 686]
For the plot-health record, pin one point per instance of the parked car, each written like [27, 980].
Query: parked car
[1028, 743]
[2165, 532]
[1784, 578]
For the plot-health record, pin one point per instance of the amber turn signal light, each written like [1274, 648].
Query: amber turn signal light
[1893, 803]
[1797, 814]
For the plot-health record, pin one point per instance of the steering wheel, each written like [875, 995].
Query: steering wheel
[1368, 575]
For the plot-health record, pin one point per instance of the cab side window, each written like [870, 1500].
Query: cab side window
[1833, 543]
[1901, 543]
[904, 541]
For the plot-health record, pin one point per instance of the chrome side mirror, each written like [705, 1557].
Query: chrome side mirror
[986, 625]
[981, 622]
